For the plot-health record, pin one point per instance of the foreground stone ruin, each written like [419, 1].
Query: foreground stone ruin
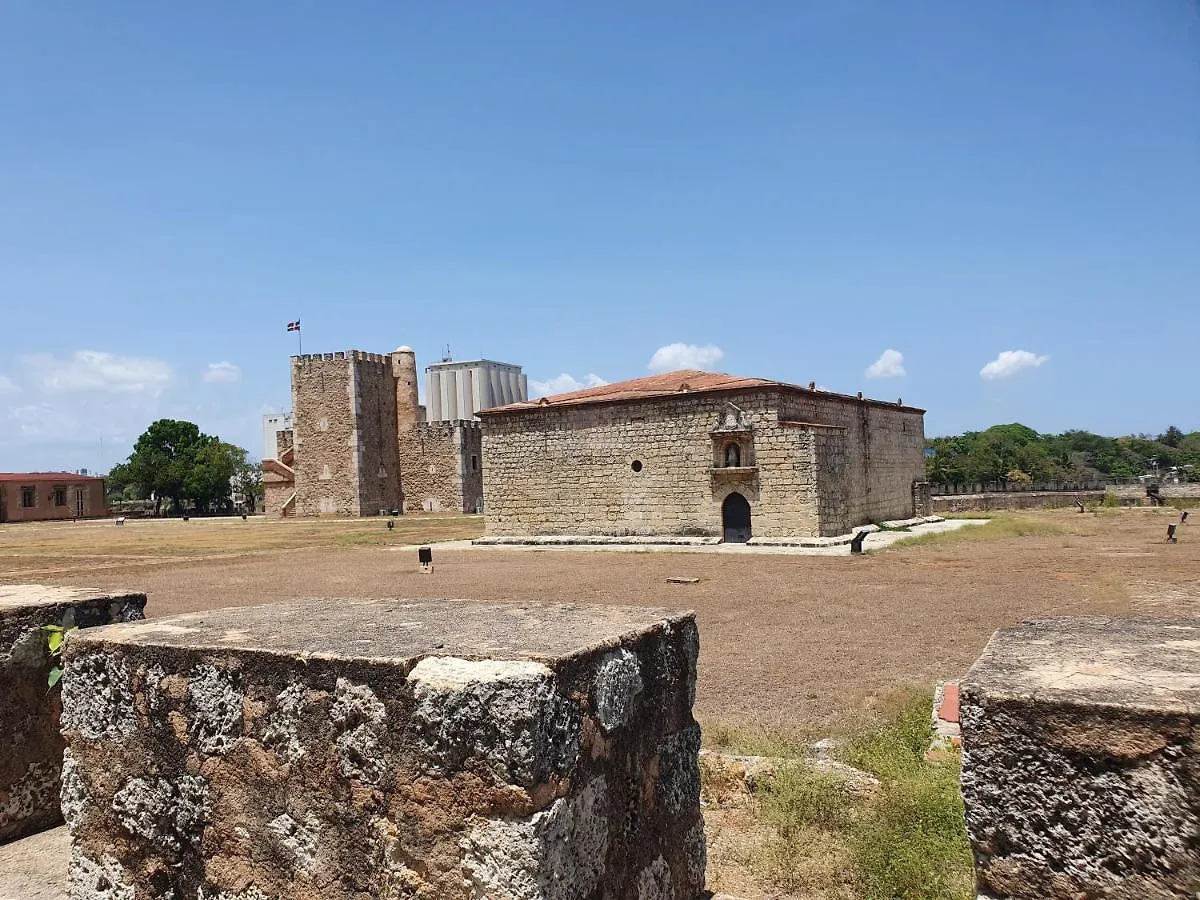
[29, 711]
[387, 749]
[1081, 762]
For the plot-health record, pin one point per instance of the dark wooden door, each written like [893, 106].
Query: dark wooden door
[735, 516]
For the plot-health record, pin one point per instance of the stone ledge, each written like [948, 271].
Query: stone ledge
[340, 749]
[1080, 758]
[31, 764]
[602, 540]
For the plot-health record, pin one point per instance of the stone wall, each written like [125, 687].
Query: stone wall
[344, 414]
[884, 450]
[538, 753]
[441, 467]
[31, 759]
[832, 483]
[1135, 494]
[1081, 770]
[958, 503]
[275, 495]
[647, 467]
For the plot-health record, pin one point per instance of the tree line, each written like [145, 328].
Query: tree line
[177, 464]
[1018, 453]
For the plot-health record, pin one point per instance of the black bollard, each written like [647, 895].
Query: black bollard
[1171, 534]
[856, 542]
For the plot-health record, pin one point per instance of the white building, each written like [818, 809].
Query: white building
[271, 424]
[458, 390]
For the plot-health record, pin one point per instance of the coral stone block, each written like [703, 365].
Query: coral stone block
[31, 748]
[1081, 765]
[386, 749]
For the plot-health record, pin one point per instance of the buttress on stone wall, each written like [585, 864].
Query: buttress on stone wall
[811, 464]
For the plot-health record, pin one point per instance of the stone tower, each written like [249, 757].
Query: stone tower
[344, 421]
[404, 370]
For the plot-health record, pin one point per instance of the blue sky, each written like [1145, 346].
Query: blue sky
[571, 187]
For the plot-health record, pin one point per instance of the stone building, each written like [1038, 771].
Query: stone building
[42, 496]
[698, 453]
[359, 444]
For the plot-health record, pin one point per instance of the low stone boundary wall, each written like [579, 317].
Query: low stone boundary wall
[959, 503]
[1135, 494]
[31, 747]
[1081, 770]
[339, 749]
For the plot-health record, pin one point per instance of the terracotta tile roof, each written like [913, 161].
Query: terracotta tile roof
[32, 477]
[683, 381]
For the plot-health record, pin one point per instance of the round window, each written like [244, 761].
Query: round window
[636, 465]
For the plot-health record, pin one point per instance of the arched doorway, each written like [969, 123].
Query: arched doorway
[735, 517]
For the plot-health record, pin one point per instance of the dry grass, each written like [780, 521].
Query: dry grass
[39, 550]
[800, 644]
[1001, 526]
[793, 647]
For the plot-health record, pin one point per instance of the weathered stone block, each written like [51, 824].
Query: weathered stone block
[31, 748]
[387, 749]
[1081, 759]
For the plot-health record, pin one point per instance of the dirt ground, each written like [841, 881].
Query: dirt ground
[798, 642]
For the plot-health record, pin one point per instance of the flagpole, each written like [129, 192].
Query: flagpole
[300, 335]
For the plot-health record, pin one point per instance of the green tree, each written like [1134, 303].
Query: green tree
[121, 484]
[248, 481]
[175, 460]
[210, 479]
[981, 456]
[1172, 437]
[162, 458]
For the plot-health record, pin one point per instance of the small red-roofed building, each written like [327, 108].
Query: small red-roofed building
[45, 496]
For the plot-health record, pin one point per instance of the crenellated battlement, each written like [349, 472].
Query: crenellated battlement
[381, 359]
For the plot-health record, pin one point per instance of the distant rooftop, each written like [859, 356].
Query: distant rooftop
[450, 363]
[27, 477]
[684, 381]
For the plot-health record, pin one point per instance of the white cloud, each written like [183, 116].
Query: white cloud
[684, 356]
[91, 370]
[889, 365]
[222, 373]
[7, 385]
[564, 383]
[1009, 363]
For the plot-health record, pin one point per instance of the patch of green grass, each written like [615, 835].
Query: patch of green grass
[797, 797]
[911, 843]
[806, 816]
[998, 528]
[907, 841]
[895, 748]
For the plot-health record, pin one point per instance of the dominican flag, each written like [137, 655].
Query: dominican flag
[294, 326]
